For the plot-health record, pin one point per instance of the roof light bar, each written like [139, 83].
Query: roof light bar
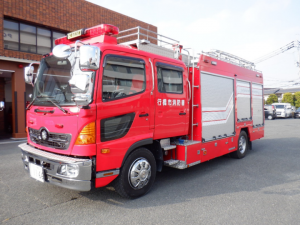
[102, 29]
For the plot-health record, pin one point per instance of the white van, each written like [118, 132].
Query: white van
[283, 109]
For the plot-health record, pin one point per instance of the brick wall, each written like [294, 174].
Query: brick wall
[62, 15]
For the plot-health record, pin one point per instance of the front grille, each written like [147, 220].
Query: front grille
[55, 140]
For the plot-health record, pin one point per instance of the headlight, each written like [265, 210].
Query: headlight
[69, 170]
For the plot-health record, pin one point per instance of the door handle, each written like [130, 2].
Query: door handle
[144, 115]
[182, 113]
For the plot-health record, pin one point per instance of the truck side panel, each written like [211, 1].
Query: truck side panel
[217, 98]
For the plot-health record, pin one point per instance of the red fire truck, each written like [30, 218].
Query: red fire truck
[104, 112]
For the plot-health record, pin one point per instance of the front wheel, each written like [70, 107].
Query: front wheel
[137, 174]
[243, 146]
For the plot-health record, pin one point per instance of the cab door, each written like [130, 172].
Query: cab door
[123, 110]
[171, 100]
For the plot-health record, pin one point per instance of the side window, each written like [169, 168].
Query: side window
[169, 78]
[122, 77]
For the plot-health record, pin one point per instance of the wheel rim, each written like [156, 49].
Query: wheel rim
[270, 117]
[139, 173]
[242, 144]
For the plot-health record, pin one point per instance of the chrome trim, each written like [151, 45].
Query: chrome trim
[231, 148]
[101, 174]
[51, 156]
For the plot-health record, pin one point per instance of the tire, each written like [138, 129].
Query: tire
[243, 146]
[132, 181]
[270, 117]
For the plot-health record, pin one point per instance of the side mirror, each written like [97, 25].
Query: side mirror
[2, 105]
[28, 74]
[89, 58]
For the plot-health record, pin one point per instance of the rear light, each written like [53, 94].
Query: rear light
[102, 29]
[87, 135]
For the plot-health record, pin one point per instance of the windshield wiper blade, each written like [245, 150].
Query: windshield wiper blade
[40, 96]
[47, 98]
[57, 105]
[30, 104]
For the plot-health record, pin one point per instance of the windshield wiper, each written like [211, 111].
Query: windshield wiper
[30, 104]
[57, 105]
[47, 98]
[40, 96]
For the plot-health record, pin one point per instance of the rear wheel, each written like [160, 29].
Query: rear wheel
[137, 174]
[270, 117]
[243, 146]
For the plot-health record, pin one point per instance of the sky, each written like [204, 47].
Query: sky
[249, 29]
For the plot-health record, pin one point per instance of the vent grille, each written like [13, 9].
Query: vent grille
[55, 140]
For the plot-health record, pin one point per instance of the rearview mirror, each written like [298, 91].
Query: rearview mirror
[89, 58]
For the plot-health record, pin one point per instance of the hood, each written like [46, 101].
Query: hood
[52, 130]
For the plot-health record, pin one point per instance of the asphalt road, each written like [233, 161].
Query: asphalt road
[262, 188]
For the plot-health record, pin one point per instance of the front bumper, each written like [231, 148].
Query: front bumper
[51, 162]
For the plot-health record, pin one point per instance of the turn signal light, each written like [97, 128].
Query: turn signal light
[105, 150]
[87, 135]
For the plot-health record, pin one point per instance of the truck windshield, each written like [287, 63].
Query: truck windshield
[52, 82]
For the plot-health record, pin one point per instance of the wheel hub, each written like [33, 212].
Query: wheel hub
[139, 173]
[242, 144]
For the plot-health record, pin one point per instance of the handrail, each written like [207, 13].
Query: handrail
[138, 33]
[152, 76]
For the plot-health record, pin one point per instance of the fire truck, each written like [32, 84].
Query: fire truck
[107, 113]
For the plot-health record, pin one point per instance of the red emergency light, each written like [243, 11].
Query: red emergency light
[102, 29]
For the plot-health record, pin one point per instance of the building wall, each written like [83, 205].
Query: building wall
[2, 96]
[60, 15]
[63, 15]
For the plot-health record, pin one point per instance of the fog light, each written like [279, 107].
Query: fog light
[69, 170]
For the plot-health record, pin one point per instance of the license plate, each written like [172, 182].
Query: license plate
[36, 172]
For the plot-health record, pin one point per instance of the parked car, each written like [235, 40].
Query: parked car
[270, 112]
[283, 110]
[297, 113]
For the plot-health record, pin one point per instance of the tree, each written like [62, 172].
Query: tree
[297, 99]
[272, 99]
[288, 98]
